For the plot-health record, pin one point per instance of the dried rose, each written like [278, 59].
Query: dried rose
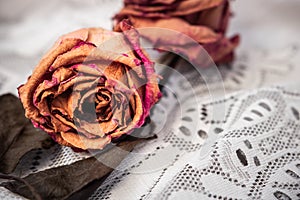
[205, 21]
[85, 91]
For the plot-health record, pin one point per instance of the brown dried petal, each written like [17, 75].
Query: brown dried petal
[191, 6]
[27, 90]
[83, 142]
[201, 34]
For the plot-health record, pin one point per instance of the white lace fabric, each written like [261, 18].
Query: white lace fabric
[249, 149]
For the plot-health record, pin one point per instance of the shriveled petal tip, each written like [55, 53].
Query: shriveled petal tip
[94, 36]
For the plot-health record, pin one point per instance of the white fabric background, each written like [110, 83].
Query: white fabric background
[201, 160]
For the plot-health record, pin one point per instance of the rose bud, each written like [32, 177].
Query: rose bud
[205, 21]
[93, 86]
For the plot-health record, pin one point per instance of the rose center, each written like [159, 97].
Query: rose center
[103, 105]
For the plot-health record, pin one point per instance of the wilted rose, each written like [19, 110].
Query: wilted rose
[84, 92]
[205, 21]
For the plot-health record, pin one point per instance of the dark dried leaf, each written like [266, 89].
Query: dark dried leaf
[12, 121]
[29, 139]
[61, 182]
[17, 135]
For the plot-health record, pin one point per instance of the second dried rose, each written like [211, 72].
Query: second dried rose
[205, 21]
